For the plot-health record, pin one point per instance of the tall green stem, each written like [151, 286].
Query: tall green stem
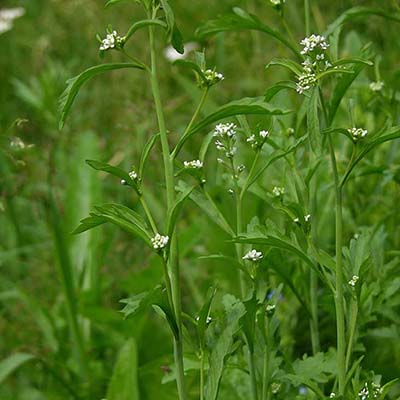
[253, 375]
[339, 303]
[173, 263]
[307, 16]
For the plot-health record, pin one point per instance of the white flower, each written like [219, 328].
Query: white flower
[376, 86]
[225, 130]
[264, 134]
[172, 55]
[17, 143]
[332, 395]
[307, 217]
[270, 308]
[212, 77]
[7, 16]
[357, 133]
[278, 191]
[111, 41]
[277, 2]
[296, 220]
[133, 175]
[353, 281]
[253, 255]
[159, 241]
[363, 394]
[312, 42]
[305, 81]
[123, 182]
[194, 164]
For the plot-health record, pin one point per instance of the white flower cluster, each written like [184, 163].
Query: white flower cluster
[353, 281]
[194, 164]
[253, 255]
[307, 218]
[314, 43]
[332, 395]
[376, 86]
[256, 141]
[211, 77]
[17, 143]
[314, 49]
[133, 175]
[159, 241]
[278, 191]
[208, 319]
[226, 138]
[357, 133]
[270, 308]
[364, 394]
[111, 41]
[7, 16]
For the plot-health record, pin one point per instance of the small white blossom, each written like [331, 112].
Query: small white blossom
[194, 164]
[123, 182]
[17, 143]
[111, 41]
[357, 133]
[313, 42]
[307, 217]
[225, 130]
[376, 86]
[332, 395]
[353, 281]
[241, 168]
[7, 16]
[212, 77]
[363, 394]
[208, 319]
[159, 241]
[264, 134]
[253, 255]
[133, 175]
[278, 191]
[305, 81]
[296, 220]
[277, 2]
[270, 308]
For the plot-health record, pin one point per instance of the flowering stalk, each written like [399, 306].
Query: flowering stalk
[172, 268]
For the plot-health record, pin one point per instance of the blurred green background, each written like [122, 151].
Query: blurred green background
[46, 187]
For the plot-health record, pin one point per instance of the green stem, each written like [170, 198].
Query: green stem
[265, 384]
[253, 375]
[173, 263]
[307, 16]
[352, 329]
[202, 375]
[148, 214]
[339, 295]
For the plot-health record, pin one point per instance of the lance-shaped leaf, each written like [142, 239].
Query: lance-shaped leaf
[174, 35]
[119, 215]
[234, 310]
[203, 316]
[245, 106]
[241, 20]
[292, 66]
[124, 384]
[139, 302]
[314, 132]
[115, 171]
[271, 92]
[146, 152]
[143, 24]
[12, 363]
[74, 85]
[356, 12]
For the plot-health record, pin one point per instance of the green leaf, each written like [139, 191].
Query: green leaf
[118, 215]
[12, 363]
[137, 303]
[271, 92]
[191, 66]
[174, 35]
[115, 171]
[146, 152]
[124, 384]
[245, 106]
[241, 20]
[234, 310]
[143, 24]
[203, 201]
[293, 66]
[314, 132]
[356, 12]
[248, 321]
[165, 311]
[74, 84]
[203, 315]
[114, 2]
[173, 214]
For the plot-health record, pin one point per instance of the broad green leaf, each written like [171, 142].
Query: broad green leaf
[313, 125]
[173, 214]
[116, 171]
[234, 310]
[241, 20]
[205, 202]
[74, 84]
[245, 106]
[137, 303]
[174, 35]
[392, 134]
[356, 12]
[124, 384]
[203, 315]
[271, 92]
[293, 66]
[119, 215]
[146, 152]
[12, 363]
[143, 24]
[248, 321]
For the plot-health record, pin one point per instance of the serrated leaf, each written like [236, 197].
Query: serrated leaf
[137, 303]
[124, 384]
[241, 20]
[234, 310]
[74, 84]
[12, 363]
[245, 106]
[313, 125]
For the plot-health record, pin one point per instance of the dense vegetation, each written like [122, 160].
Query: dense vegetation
[219, 224]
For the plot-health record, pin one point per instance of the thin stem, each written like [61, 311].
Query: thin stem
[265, 384]
[352, 329]
[148, 214]
[307, 16]
[202, 375]
[339, 296]
[173, 263]
[253, 375]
